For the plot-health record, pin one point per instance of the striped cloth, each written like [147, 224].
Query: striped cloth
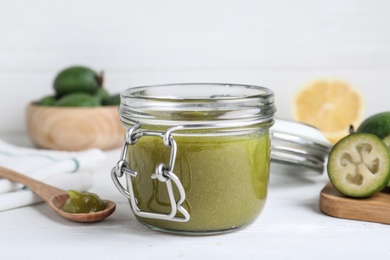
[65, 170]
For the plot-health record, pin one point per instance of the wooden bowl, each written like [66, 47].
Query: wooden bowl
[74, 129]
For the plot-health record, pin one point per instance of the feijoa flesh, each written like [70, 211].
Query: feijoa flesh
[386, 140]
[359, 165]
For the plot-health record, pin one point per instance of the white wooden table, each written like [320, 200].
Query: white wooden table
[290, 227]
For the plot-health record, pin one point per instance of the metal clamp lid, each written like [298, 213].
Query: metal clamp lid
[162, 173]
[298, 145]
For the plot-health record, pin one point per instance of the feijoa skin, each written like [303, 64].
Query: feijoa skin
[76, 79]
[102, 94]
[378, 124]
[359, 165]
[112, 100]
[78, 100]
[46, 101]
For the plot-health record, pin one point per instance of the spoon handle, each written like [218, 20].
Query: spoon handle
[43, 190]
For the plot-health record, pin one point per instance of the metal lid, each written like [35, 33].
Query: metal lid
[298, 145]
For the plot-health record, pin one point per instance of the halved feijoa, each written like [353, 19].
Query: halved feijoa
[359, 165]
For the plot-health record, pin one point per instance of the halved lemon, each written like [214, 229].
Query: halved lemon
[331, 105]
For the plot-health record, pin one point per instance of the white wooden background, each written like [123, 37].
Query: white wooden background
[279, 44]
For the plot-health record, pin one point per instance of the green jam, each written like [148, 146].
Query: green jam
[225, 179]
[83, 202]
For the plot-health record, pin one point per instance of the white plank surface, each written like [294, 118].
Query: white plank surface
[278, 44]
[290, 227]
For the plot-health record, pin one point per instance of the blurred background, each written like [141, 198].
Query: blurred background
[280, 44]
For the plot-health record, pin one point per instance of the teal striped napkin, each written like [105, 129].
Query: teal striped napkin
[66, 170]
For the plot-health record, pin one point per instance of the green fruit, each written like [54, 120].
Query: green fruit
[113, 100]
[46, 101]
[102, 94]
[78, 100]
[386, 140]
[378, 124]
[359, 165]
[76, 79]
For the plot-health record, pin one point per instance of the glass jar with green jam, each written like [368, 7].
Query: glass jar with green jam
[196, 157]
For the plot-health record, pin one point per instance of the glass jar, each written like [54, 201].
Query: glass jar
[196, 156]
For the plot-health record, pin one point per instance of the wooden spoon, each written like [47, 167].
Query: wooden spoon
[55, 197]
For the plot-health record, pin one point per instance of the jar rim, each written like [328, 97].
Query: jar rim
[230, 91]
[197, 103]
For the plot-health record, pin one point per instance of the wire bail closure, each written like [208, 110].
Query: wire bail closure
[163, 174]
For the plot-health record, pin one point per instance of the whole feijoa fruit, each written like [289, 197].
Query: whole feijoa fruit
[113, 100]
[378, 124]
[76, 79]
[101, 94]
[46, 101]
[78, 100]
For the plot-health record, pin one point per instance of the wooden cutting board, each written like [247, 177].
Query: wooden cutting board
[373, 209]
